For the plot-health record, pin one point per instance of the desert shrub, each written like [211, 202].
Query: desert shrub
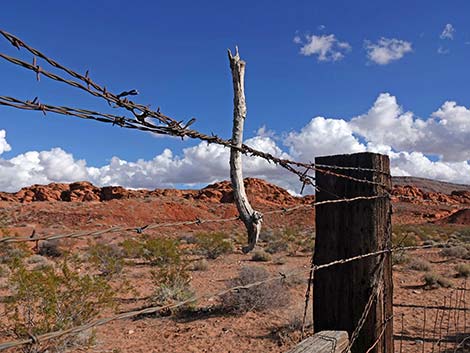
[132, 248]
[291, 240]
[420, 265]
[4, 271]
[49, 248]
[200, 265]
[13, 254]
[433, 280]
[49, 300]
[266, 296]
[107, 258]
[212, 245]
[39, 262]
[260, 255]
[399, 258]
[403, 238]
[455, 251]
[279, 260]
[172, 285]
[463, 270]
[161, 252]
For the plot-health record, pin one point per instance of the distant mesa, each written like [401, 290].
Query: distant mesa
[261, 192]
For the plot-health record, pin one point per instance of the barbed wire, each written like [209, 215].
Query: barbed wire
[155, 309]
[141, 112]
[374, 293]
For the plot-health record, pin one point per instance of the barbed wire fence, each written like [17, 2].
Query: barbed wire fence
[141, 117]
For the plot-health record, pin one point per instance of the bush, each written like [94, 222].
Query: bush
[172, 285]
[291, 240]
[13, 254]
[107, 258]
[49, 248]
[46, 300]
[212, 245]
[200, 265]
[39, 262]
[161, 252]
[260, 255]
[266, 296]
[400, 258]
[132, 248]
[433, 280]
[455, 251]
[420, 265]
[463, 270]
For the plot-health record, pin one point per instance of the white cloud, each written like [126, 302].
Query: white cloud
[448, 32]
[443, 51]
[387, 50]
[4, 146]
[435, 147]
[325, 47]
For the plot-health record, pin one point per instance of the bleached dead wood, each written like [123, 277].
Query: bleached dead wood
[251, 218]
[323, 342]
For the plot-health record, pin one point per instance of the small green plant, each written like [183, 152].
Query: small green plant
[290, 239]
[172, 285]
[263, 297]
[48, 300]
[463, 270]
[132, 248]
[260, 255]
[13, 254]
[212, 245]
[420, 265]
[161, 251]
[107, 258]
[433, 280]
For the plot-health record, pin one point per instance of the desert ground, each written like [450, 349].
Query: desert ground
[135, 267]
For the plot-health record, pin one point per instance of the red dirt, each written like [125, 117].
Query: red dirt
[64, 208]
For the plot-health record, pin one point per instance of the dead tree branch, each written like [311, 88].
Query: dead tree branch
[251, 218]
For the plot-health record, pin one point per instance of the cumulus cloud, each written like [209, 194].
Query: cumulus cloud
[436, 147]
[387, 50]
[4, 146]
[448, 32]
[324, 47]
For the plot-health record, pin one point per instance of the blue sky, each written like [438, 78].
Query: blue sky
[174, 53]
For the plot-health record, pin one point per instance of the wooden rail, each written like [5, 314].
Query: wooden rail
[323, 342]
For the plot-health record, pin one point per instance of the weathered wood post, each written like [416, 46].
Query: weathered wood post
[348, 229]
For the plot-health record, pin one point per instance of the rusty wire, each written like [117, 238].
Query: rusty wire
[140, 113]
[197, 221]
[99, 322]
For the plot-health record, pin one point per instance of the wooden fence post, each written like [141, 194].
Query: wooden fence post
[349, 229]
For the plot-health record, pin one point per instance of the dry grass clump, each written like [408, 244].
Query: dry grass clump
[433, 280]
[419, 265]
[200, 265]
[458, 251]
[264, 297]
[261, 256]
[463, 270]
[400, 258]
